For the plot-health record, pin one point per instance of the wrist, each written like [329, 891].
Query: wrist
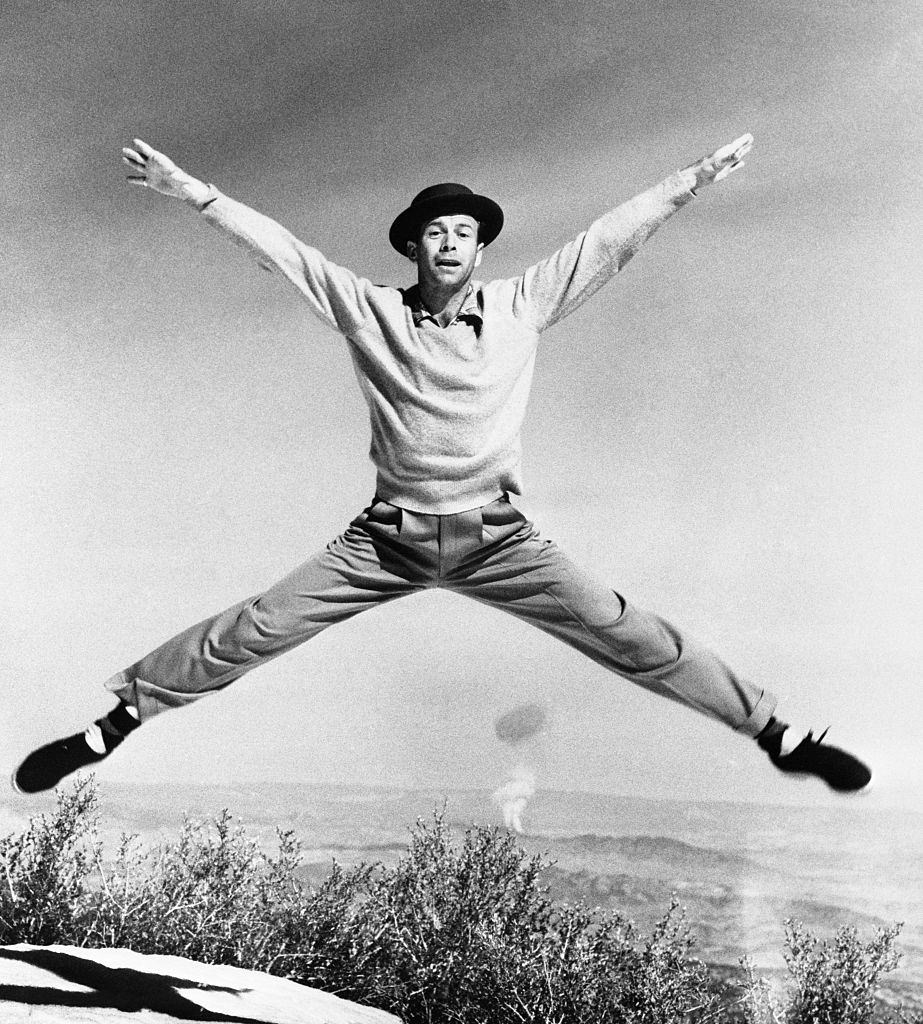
[691, 179]
[190, 190]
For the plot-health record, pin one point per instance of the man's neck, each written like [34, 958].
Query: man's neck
[443, 304]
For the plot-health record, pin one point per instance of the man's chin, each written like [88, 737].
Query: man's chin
[446, 277]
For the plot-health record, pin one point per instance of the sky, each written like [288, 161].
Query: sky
[730, 432]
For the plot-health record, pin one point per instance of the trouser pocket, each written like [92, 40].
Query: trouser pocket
[500, 519]
[383, 512]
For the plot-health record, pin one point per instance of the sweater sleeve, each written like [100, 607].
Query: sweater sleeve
[336, 295]
[555, 287]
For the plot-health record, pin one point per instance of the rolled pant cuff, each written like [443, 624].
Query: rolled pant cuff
[146, 698]
[759, 716]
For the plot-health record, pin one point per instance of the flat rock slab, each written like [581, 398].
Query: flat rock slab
[55, 984]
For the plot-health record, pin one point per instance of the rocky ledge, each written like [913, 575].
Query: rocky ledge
[55, 984]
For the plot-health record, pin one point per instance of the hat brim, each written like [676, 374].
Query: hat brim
[485, 211]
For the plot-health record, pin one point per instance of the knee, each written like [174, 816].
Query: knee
[262, 620]
[240, 630]
[643, 641]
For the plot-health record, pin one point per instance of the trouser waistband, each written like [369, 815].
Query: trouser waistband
[453, 534]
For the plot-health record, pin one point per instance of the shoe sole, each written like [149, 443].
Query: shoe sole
[809, 776]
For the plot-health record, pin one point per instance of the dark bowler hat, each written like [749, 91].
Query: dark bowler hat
[449, 197]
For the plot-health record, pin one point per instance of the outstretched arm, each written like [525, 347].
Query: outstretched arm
[335, 294]
[556, 286]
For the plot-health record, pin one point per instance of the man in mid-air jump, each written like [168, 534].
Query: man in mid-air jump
[445, 367]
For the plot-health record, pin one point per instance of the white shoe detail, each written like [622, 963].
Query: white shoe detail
[790, 739]
[94, 738]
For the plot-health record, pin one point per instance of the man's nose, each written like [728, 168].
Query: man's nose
[447, 243]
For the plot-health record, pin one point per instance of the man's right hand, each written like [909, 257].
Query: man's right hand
[718, 165]
[156, 170]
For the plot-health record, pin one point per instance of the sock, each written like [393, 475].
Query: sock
[121, 720]
[772, 728]
[770, 736]
[105, 734]
[779, 737]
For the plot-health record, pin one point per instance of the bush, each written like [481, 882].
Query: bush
[44, 898]
[211, 896]
[468, 934]
[835, 981]
[458, 932]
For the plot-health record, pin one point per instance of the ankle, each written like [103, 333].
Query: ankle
[770, 736]
[120, 721]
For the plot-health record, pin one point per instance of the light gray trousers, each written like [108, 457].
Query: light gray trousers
[492, 554]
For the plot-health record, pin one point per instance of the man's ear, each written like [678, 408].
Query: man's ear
[412, 252]
[480, 253]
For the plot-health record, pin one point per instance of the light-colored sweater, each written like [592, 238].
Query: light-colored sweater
[446, 404]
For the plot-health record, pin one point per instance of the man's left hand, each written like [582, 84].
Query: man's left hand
[720, 163]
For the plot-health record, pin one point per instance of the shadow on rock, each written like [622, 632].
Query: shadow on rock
[117, 988]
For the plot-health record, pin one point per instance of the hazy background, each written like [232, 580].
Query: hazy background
[730, 433]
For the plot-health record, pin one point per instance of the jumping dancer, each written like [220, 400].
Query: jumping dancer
[445, 367]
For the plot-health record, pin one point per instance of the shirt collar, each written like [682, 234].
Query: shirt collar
[470, 309]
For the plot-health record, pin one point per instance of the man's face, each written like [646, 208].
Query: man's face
[447, 251]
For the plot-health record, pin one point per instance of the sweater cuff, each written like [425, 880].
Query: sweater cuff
[198, 195]
[684, 183]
